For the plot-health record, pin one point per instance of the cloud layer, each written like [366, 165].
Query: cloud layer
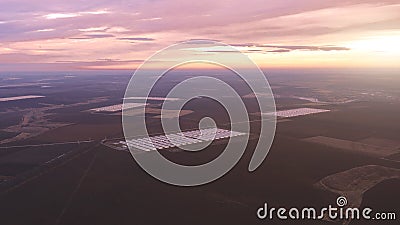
[80, 32]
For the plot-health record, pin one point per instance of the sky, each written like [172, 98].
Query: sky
[51, 35]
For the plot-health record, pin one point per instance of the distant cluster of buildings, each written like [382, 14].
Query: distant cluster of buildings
[179, 139]
[118, 107]
[20, 98]
[298, 112]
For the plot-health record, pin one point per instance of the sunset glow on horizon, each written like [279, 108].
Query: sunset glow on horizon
[96, 35]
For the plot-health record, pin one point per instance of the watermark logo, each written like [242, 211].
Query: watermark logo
[330, 213]
[341, 201]
[214, 53]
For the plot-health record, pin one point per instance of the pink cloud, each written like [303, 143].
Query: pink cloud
[135, 29]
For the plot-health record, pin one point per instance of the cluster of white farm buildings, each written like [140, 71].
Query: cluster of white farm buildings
[179, 139]
[118, 107]
[297, 112]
